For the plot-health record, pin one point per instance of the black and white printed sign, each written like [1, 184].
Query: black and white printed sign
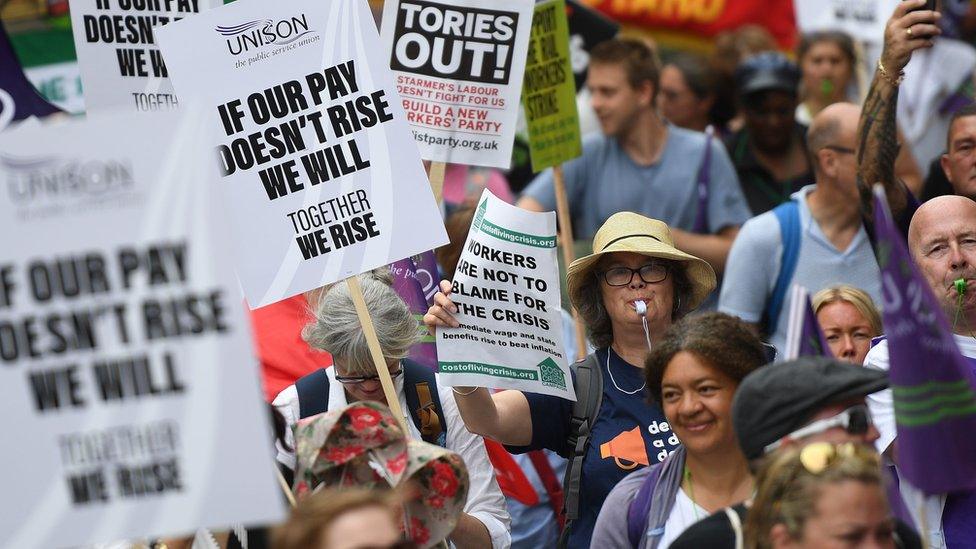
[131, 402]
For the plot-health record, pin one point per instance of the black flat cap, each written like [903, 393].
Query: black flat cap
[776, 400]
[767, 71]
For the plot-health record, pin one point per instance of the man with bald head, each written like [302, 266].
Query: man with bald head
[942, 242]
[822, 224]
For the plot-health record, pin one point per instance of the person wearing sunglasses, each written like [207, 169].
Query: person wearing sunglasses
[787, 406]
[434, 415]
[822, 496]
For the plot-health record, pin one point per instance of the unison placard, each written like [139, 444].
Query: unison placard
[126, 369]
[315, 159]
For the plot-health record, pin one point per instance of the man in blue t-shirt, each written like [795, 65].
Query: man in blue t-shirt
[643, 164]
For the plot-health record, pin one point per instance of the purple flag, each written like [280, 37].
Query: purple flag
[18, 98]
[803, 334]
[409, 288]
[932, 383]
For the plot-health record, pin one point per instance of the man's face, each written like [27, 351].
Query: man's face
[959, 164]
[769, 117]
[942, 241]
[615, 102]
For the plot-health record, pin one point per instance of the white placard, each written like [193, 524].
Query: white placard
[316, 161]
[121, 65]
[864, 20]
[506, 288]
[459, 66]
[131, 400]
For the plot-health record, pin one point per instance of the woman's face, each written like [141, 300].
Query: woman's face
[371, 526]
[369, 389]
[678, 103]
[697, 400]
[848, 333]
[847, 515]
[826, 71]
[619, 300]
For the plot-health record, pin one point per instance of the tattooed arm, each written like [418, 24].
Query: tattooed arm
[877, 132]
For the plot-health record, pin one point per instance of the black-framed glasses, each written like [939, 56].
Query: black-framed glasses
[353, 380]
[622, 276]
[838, 148]
[856, 420]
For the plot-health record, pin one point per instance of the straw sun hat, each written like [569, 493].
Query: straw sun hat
[630, 232]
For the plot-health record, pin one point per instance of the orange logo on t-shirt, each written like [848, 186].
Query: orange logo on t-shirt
[627, 449]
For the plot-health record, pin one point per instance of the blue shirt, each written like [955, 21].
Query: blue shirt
[605, 180]
[628, 433]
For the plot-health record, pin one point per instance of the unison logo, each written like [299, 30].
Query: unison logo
[51, 178]
[255, 34]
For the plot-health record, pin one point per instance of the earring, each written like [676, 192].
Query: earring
[677, 306]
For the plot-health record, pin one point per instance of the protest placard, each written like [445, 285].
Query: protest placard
[506, 288]
[864, 20]
[316, 162]
[549, 92]
[131, 402]
[459, 67]
[121, 65]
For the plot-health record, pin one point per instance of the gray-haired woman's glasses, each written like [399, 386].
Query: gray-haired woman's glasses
[622, 276]
[353, 380]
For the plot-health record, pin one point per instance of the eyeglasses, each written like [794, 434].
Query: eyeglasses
[353, 380]
[622, 276]
[856, 420]
[819, 456]
[838, 148]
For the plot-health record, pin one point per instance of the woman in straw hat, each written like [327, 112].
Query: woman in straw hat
[634, 267]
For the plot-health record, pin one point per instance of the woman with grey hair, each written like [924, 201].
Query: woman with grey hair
[628, 293]
[434, 415]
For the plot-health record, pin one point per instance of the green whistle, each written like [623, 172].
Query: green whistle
[960, 285]
[826, 87]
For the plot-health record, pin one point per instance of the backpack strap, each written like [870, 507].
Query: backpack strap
[420, 386]
[589, 398]
[313, 393]
[736, 523]
[702, 182]
[788, 215]
[639, 510]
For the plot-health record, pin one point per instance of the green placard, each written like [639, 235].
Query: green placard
[548, 90]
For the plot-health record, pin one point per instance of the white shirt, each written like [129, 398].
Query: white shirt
[684, 513]
[883, 415]
[485, 500]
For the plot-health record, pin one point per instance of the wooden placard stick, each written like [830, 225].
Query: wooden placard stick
[566, 236]
[356, 292]
[436, 176]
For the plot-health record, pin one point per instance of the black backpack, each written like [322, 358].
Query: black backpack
[589, 398]
[419, 384]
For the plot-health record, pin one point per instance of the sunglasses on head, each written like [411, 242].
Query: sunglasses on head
[820, 456]
[856, 420]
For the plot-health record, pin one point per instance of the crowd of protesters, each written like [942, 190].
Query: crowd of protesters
[710, 188]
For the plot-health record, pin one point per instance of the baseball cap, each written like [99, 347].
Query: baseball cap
[776, 400]
[767, 71]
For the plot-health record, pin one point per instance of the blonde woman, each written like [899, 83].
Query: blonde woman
[822, 496]
[849, 320]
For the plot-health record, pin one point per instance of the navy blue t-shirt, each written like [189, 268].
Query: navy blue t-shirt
[629, 433]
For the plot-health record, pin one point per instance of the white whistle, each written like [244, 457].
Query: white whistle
[641, 308]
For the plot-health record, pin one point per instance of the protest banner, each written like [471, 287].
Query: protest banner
[803, 334]
[129, 385]
[864, 20]
[121, 65]
[458, 67]
[933, 385]
[587, 28]
[316, 162]
[506, 288]
[549, 93]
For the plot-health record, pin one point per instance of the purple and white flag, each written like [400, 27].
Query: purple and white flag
[932, 383]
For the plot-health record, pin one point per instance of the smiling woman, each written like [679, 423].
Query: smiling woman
[693, 373]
